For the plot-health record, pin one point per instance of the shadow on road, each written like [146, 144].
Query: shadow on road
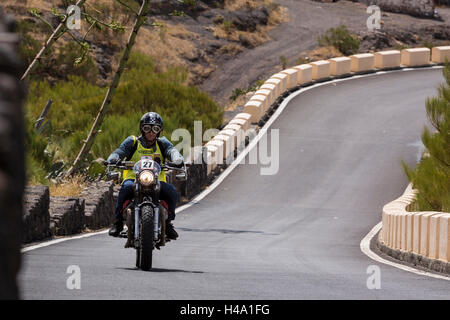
[228, 231]
[161, 270]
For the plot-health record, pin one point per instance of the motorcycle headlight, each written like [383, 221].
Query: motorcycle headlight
[146, 178]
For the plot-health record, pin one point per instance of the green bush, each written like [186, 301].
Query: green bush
[341, 39]
[431, 177]
[38, 161]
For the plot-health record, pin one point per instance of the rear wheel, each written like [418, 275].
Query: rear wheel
[145, 251]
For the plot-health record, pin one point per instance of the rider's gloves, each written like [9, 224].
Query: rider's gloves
[113, 158]
[176, 159]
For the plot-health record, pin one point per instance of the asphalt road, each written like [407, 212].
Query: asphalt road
[293, 235]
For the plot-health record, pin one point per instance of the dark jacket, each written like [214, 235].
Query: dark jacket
[128, 147]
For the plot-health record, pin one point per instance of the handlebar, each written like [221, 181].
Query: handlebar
[127, 165]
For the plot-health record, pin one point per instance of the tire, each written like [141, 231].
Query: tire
[138, 258]
[145, 251]
[12, 170]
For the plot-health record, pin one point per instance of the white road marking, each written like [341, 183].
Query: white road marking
[240, 157]
[51, 242]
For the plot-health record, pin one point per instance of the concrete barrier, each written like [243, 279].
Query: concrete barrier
[236, 137]
[304, 73]
[227, 144]
[420, 233]
[243, 123]
[444, 238]
[320, 69]
[416, 233]
[233, 126]
[292, 77]
[403, 227]
[273, 89]
[409, 231]
[228, 132]
[216, 153]
[398, 230]
[244, 116]
[265, 104]
[387, 59]
[209, 162]
[415, 57]
[425, 233]
[267, 93]
[220, 149]
[440, 54]
[434, 236]
[278, 85]
[255, 109]
[284, 81]
[340, 66]
[362, 62]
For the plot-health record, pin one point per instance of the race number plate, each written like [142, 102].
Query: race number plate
[147, 163]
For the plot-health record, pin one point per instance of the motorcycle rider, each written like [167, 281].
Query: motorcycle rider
[131, 149]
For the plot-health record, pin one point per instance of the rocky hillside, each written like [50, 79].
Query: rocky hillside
[189, 34]
[417, 8]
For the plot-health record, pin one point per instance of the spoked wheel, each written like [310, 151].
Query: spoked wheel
[145, 251]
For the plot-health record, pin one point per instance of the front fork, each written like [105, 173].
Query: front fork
[137, 211]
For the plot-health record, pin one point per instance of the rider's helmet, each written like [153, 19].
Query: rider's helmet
[153, 120]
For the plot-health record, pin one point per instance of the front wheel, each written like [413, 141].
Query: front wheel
[145, 250]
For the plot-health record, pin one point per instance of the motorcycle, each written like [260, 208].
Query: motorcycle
[145, 215]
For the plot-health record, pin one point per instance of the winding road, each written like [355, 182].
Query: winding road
[292, 235]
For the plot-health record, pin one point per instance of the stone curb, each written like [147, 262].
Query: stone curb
[414, 260]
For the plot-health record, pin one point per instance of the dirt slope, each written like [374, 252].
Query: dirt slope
[307, 20]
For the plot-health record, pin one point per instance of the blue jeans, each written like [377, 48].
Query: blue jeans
[168, 193]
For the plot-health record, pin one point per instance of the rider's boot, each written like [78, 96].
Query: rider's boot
[170, 231]
[116, 228]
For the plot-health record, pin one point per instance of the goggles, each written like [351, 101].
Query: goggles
[155, 128]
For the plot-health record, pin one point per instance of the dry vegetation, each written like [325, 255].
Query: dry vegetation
[69, 188]
[277, 15]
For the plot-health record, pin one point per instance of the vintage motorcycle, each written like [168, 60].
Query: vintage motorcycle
[145, 215]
